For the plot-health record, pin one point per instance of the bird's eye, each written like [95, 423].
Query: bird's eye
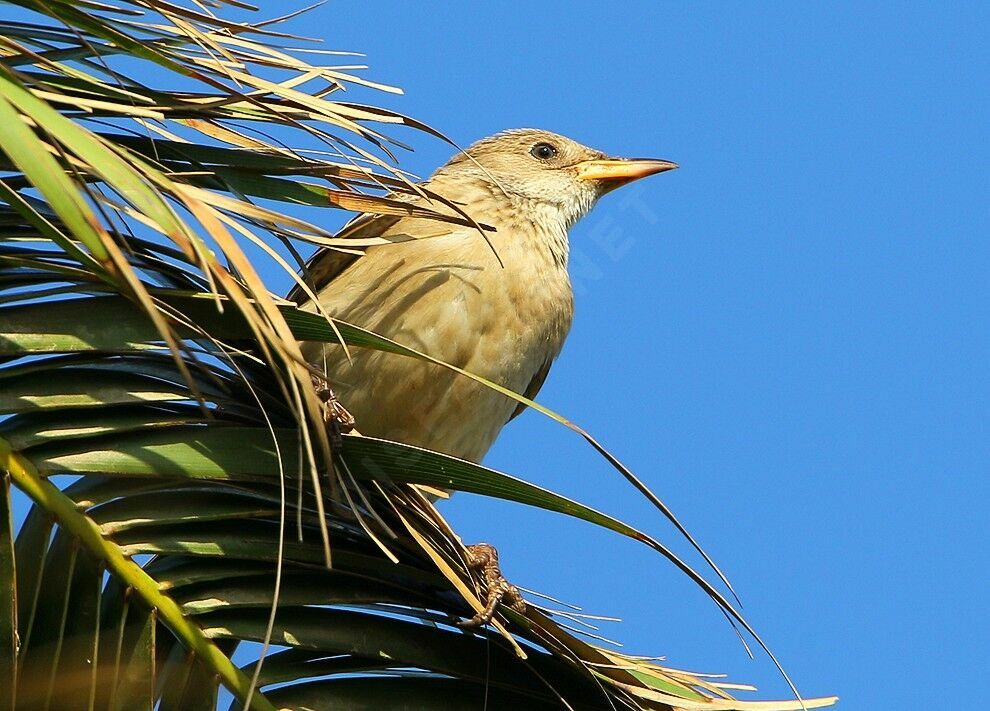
[543, 151]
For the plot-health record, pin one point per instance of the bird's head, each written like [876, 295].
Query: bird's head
[540, 168]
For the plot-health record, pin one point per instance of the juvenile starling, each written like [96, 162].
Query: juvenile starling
[440, 288]
[497, 304]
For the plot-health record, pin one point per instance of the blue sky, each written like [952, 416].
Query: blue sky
[787, 338]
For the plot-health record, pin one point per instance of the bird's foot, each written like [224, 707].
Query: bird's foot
[338, 420]
[483, 557]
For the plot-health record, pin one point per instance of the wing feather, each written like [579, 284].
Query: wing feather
[533, 388]
[329, 263]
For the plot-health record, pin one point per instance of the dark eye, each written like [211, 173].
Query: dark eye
[543, 151]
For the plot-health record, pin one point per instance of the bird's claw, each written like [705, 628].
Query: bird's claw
[338, 420]
[484, 558]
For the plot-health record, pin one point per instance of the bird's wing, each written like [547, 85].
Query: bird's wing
[534, 387]
[328, 263]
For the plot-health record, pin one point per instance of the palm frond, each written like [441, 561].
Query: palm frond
[155, 406]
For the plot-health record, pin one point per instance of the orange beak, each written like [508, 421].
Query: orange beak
[619, 171]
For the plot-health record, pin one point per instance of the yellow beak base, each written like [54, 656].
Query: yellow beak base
[621, 170]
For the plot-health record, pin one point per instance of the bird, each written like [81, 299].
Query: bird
[489, 293]
[496, 303]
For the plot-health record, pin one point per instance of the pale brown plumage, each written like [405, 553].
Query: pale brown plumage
[441, 289]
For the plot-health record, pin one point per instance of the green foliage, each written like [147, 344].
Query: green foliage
[155, 408]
